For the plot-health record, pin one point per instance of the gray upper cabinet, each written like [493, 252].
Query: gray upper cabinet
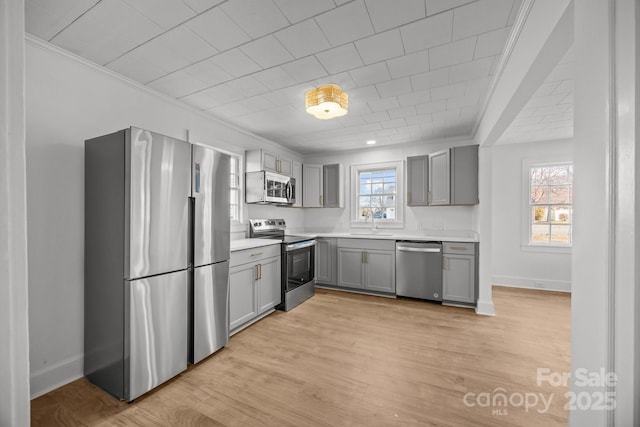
[417, 180]
[312, 186]
[257, 160]
[453, 176]
[439, 178]
[332, 186]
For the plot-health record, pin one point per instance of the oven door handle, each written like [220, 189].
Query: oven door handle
[300, 245]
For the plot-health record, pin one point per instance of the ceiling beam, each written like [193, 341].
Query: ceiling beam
[541, 36]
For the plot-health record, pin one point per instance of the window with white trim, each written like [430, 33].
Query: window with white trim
[377, 193]
[235, 193]
[550, 204]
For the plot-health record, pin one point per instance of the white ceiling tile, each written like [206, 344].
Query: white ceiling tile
[452, 53]
[394, 87]
[248, 86]
[383, 104]
[267, 52]
[550, 110]
[45, 18]
[437, 6]
[232, 109]
[235, 62]
[208, 73]
[545, 101]
[107, 31]
[340, 59]
[478, 86]
[351, 120]
[492, 43]
[432, 107]
[470, 70]
[480, 17]
[546, 89]
[201, 5]
[255, 17]
[343, 80]
[449, 91]
[258, 103]
[305, 69]
[166, 13]
[419, 119]
[396, 113]
[178, 84]
[296, 10]
[414, 98]
[346, 23]
[274, 78]
[199, 100]
[363, 94]
[428, 32]
[408, 65]
[380, 47]
[222, 94]
[430, 79]
[187, 44]
[303, 39]
[389, 124]
[370, 74]
[462, 101]
[567, 86]
[218, 29]
[387, 14]
[140, 66]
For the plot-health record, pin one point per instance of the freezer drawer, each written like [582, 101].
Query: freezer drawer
[210, 310]
[155, 331]
[419, 270]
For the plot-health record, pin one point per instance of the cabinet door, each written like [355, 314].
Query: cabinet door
[464, 175]
[458, 278]
[332, 186]
[350, 268]
[439, 178]
[380, 271]
[312, 186]
[242, 295]
[325, 263]
[417, 180]
[269, 284]
[269, 161]
[296, 173]
[285, 166]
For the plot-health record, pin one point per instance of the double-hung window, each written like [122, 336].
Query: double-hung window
[235, 193]
[550, 207]
[377, 193]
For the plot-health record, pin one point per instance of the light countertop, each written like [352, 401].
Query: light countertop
[429, 235]
[240, 244]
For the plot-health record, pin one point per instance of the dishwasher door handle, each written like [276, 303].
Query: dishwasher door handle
[410, 249]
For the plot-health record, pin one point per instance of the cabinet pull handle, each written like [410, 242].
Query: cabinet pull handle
[362, 257]
[279, 165]
[459, 248]
[257, 254]
[257, 271]
[429, 196]
[408, 197]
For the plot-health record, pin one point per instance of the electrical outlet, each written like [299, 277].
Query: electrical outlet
[539, 284]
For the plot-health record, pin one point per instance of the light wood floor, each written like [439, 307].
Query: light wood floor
[344, 359]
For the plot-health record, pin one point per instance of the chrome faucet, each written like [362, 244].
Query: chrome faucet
[370, 211]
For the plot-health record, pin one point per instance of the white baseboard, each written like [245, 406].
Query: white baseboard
[485, 308]
[56, 375]
[538, 284]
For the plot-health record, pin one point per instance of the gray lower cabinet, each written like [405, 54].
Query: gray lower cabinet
[366, 264]
[326, 261]
[459, 274]
[254, 284]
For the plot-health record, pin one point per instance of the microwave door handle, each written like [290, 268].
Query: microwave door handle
[288, 191]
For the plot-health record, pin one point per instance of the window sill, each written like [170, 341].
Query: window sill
[377, 225]
[549, 249]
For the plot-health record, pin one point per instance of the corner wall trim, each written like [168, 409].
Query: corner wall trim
[485, 308]
[532, 283]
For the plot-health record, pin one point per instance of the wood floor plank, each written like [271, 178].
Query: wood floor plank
[344, 359]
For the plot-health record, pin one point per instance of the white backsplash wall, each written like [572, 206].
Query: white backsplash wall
[294, 217]
[417, 219]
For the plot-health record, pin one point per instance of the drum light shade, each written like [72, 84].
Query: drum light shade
[327, 102]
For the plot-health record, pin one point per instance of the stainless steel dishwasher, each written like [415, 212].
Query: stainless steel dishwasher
[419, 270]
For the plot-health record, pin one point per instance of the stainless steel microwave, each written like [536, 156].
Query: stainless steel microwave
[269, 188]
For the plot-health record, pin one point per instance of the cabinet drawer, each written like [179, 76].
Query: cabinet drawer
[252, 255]
[381, 244]
[459, 248]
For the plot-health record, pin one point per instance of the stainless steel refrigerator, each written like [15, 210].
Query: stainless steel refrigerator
[140, 269]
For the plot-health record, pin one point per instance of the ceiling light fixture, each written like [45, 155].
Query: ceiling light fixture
[371, 142]
[326, 102]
